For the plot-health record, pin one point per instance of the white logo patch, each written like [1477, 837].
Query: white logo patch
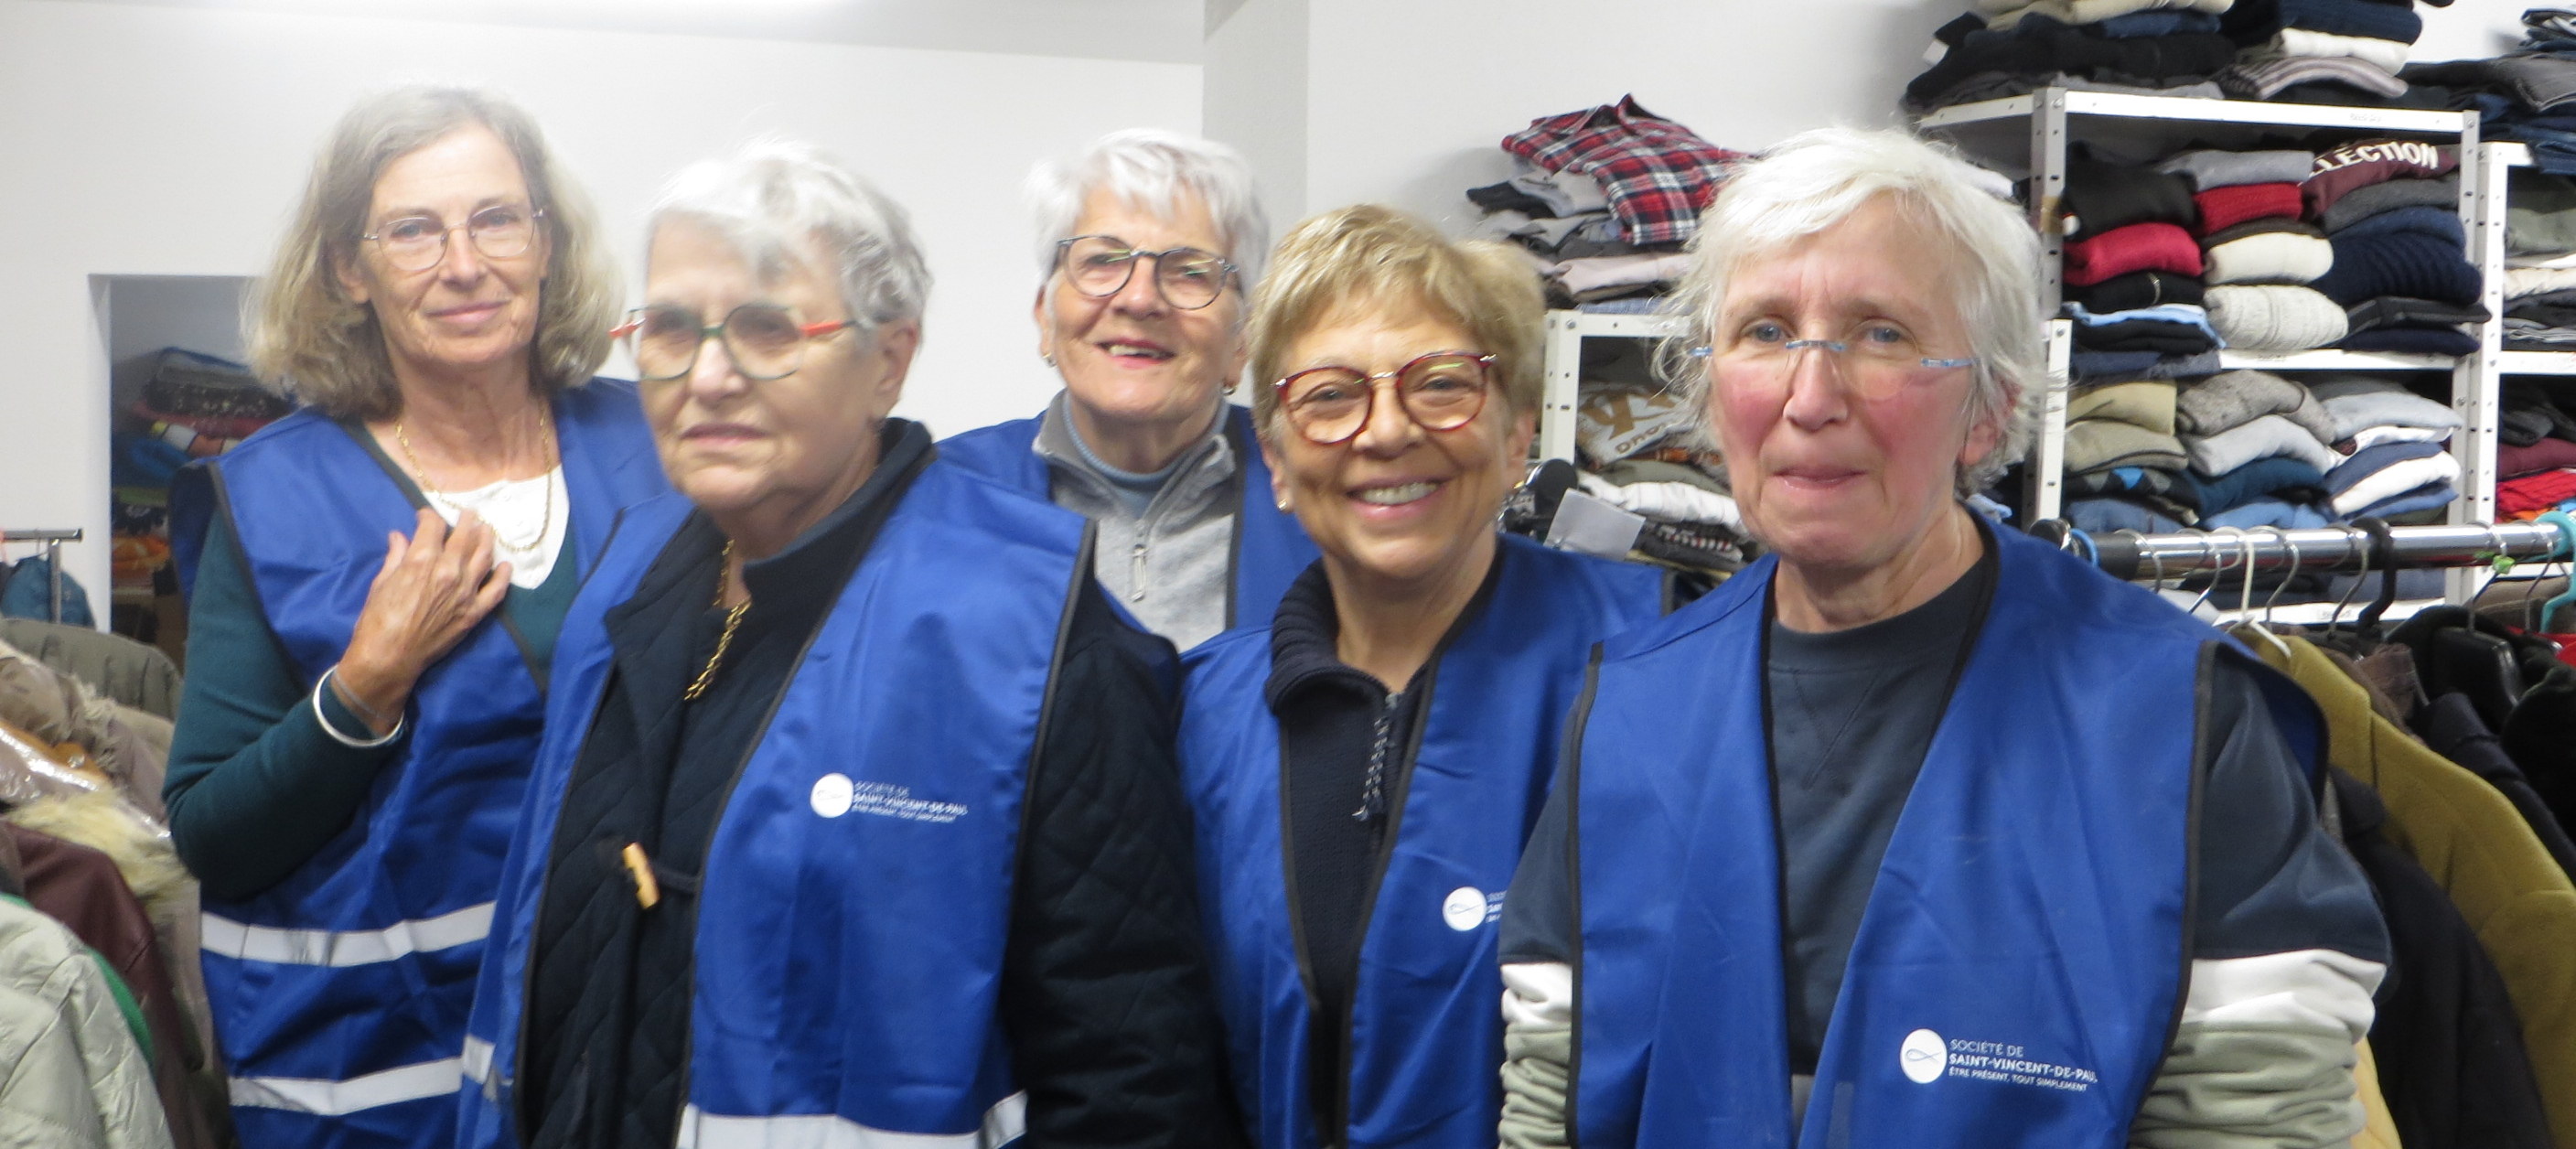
[1924, 1057]
[832, 794]
[1466, 908]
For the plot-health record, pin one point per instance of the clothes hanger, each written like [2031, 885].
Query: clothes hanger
[2336, 619]
[2386, 544]
[2264, 627]
[2216, 560]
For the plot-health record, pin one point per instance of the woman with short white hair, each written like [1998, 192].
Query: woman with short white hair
[857, 821]
[1918, 831]
[1149, 244]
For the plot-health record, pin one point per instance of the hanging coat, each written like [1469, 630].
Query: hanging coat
[1425, 1045]
[856, 894]
[1270, 549]
[339, 994]
[2016, 974]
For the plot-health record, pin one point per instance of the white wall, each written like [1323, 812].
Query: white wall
[146, 140]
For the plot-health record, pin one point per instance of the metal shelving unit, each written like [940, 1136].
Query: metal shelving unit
[2030, 135]
[1563, 367]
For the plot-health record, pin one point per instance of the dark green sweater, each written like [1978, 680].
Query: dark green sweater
[255, 785]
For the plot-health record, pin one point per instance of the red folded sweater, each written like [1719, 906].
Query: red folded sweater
[2223, 208]
[2137, 247]
[2537, 492]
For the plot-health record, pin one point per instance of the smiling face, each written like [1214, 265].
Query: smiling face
[1830, 480]
[1132, 362]
[768, 458]
[1397, 506]
[469, 311]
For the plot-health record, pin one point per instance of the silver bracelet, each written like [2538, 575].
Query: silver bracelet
[324, 717]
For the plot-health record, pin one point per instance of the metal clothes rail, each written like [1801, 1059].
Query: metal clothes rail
[2363, 547]
[53, 540]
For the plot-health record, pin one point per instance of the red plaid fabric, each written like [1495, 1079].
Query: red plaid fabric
[1656, 174]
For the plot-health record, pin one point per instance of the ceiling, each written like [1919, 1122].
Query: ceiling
[1166, 31]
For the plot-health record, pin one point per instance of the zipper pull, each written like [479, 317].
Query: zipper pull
[1136, 571]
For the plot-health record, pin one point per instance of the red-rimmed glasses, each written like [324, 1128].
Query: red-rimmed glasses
[1441, 391]
[764, 340]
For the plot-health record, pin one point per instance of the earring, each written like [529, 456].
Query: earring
[1283, 502]
[1050, 359]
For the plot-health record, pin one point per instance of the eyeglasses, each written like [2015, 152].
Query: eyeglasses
[1441, 391]
[763, 340]
[1877, 360]
[1100, 265]
[418, 242]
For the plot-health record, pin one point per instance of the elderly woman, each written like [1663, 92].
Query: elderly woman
[857, 820]
[1141, 441]
[377, 582]
[1365, 769]
[1919, 832]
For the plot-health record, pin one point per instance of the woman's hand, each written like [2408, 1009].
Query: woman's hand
[433, 588]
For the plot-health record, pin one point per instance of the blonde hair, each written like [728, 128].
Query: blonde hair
[310, 341]
[1817, 179]
[1375, 255]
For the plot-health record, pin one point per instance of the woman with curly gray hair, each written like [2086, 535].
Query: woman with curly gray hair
[376, 584]
[1918, 831]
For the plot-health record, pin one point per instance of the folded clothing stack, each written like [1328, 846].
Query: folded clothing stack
[2258, 445]
[2535, 455]
[1637, 447]
[2129, 232]
[2256, 253]
[2540, 256]
[1603, 199]
[2320, 51]
[2009, 47]
[2123, 463]
[2401, 269]
[2528, 94]
[2400, 465]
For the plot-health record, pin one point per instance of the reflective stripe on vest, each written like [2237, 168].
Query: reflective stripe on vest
[1003, 1124]
[1424, 1045]
[340, 1098]
[340, 988]
[2019, 961]
[345, 947]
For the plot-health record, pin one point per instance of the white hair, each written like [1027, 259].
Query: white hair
[1820, 178]
[775, 196]
[1150, 169]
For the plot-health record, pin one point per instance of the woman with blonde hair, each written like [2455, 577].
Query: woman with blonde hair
[1365, 768]
[376, 583]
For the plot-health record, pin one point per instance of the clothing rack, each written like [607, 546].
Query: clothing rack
[2365, 546]
[53, 540]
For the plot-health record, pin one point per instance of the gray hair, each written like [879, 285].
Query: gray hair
[1819, 178]
[775, 196]
[310, 340]
[1151, 169]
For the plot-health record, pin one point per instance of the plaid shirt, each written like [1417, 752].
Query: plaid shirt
[1657, 174]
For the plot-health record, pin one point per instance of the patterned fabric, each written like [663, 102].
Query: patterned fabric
[1657, 174]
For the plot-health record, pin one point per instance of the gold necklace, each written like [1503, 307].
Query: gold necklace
[724, 641]
[544, 521]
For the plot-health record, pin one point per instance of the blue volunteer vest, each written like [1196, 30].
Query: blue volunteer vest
[856, 895]
[339, 994]
[2018, 969]
[1270, 549]
[1425, 1046]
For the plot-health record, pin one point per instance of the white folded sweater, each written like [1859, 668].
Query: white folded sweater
[2215, 455]
[2396, 479]
[2269, 257]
